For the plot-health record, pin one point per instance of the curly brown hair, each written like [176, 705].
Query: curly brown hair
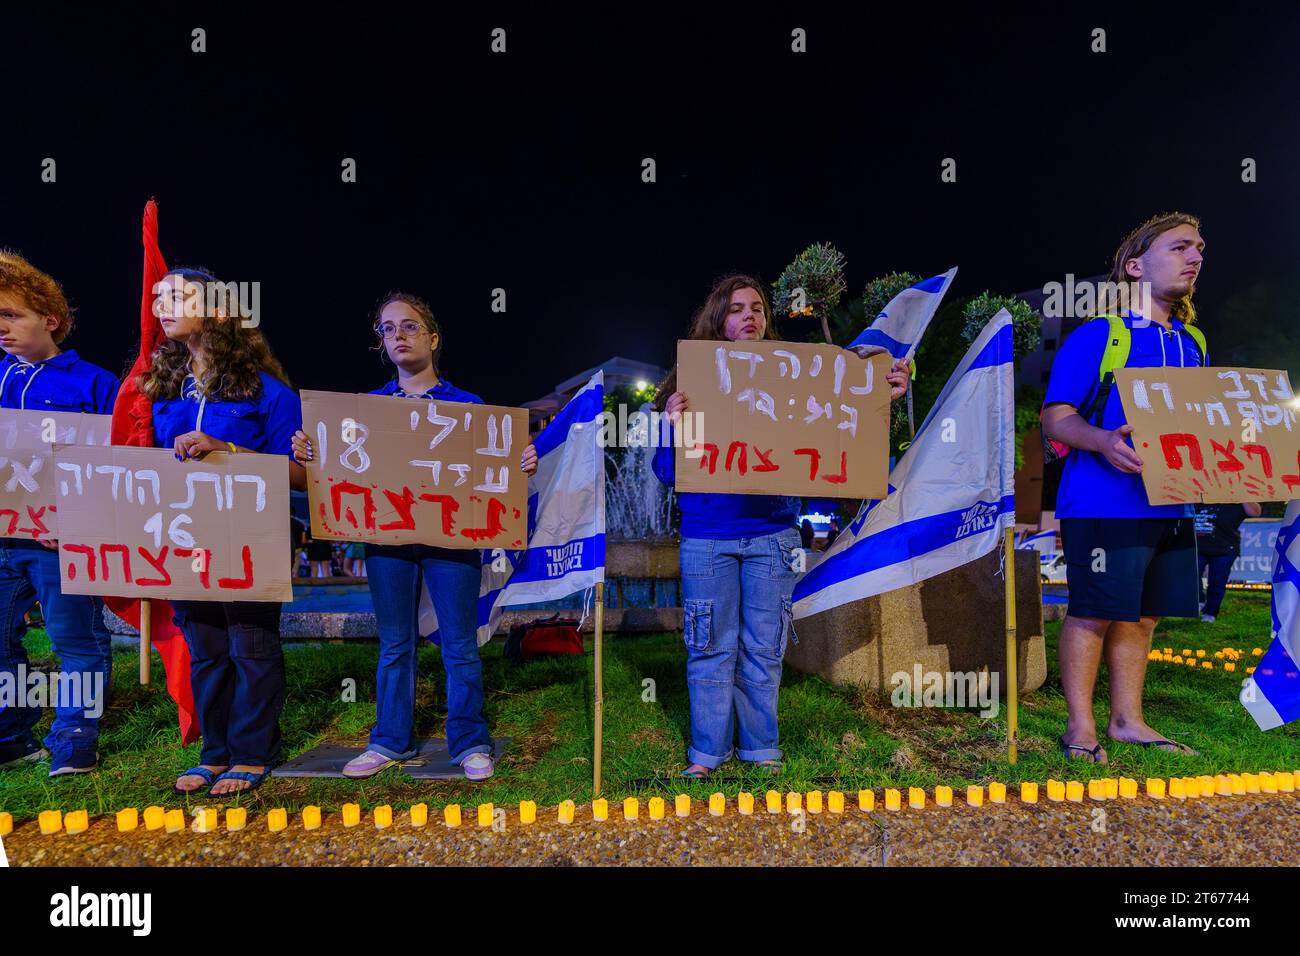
[39, 291]
[710, 323]
[236, 355]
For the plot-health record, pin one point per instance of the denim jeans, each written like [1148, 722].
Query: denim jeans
[1220, 566]
[237, 675]
[29, 572]
[395, 575]
[736, 598]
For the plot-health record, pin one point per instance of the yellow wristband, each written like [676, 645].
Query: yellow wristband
[233, 449]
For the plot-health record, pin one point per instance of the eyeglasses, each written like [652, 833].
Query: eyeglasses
[408, 329]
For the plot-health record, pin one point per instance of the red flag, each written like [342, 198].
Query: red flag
[133, 425]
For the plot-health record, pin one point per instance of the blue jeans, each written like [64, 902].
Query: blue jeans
[29, 572]
[237, 675]
[736, 598]
[1220, 566]
[395, 575]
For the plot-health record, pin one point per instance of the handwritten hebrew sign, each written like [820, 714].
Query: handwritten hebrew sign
[785, 418]
[404, 470]
[136, 522]
[1213, 435]
[27, 438]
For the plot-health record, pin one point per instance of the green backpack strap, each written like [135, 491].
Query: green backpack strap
[1119, 341]
[1199, 338]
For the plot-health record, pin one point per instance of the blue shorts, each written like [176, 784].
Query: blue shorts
[1125, 569]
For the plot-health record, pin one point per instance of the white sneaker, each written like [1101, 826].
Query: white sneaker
[477, 766]
[1207, 618]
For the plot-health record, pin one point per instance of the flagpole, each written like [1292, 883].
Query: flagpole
[1009, 575]
[599, 710]
[146, 640]
[911, 418]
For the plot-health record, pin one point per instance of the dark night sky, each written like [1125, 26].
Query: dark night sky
[523, 171]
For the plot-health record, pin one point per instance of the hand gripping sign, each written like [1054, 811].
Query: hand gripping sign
[785, 418]
[416, 471]
[27, 438]
[1213, 435]
[135, 522]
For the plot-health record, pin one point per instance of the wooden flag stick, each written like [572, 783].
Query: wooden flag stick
[146, 640]
[599, 710]
[1009, 574]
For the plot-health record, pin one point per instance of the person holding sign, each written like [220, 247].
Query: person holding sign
[37, 374]
[1128, 562]
[216, 386]
[740, 556]
[408, 335]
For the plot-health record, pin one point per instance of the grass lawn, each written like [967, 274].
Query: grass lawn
[841, 738]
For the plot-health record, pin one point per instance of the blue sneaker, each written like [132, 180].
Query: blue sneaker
[73, 755]
[19, 753]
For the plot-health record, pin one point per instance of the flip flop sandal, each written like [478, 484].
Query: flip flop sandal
[1094, 753]
[774, 767]
[1162, 744]
[695, 774]
[209, 778]
[253, 779]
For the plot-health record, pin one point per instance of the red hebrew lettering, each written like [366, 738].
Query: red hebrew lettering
[709, 459]
[495, 510]
[731, 454]
[1230, 462]
[13, 518]
[843, 475]
[89, 552]
[1169, 445]
[402, 503]
[342, 488]
[1265, 459]
[123, 550]
[766, 458]
[205, 562]
[1292, 480]
[38, 529]
[449, 508]
[239, 584]
[158, 564]
[815, 458]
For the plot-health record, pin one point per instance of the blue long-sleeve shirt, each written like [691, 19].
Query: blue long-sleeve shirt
[723, 517]
[64, 383]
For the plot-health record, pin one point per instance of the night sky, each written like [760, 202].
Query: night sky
[523, 170]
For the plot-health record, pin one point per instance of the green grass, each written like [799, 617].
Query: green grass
[843, 738]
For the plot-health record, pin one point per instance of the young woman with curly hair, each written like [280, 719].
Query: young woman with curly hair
[216, 386]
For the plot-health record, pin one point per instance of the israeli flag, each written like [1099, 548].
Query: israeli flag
[950, 497]
[566, 516]
[1272, 694]
[900, 325]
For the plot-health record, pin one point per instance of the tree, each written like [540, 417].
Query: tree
[811, 285]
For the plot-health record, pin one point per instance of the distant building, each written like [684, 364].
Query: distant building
[618, 371]
[1036, 368]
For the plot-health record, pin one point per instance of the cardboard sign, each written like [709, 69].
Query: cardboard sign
[27, 438]
[136, 522]
[415, 471]
[784, 418]
[1213, 435]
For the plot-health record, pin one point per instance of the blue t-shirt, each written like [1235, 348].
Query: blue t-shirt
[1091, 487]
[444, 391]
[64, 383]
[263, 424]
[724, 517]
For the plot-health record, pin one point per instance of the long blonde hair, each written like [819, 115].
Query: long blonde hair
[1137, 242]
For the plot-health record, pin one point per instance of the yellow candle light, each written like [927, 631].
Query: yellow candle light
[127, 820]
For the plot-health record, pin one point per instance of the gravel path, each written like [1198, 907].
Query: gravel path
[1241, 830]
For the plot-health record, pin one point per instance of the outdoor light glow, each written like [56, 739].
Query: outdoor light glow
[641, 385]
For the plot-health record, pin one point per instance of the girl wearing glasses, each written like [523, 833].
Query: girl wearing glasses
[409, 335]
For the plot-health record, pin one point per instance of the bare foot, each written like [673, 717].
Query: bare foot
[1147, 736]
[1086, 749]
[190, 782]
[225, 787]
